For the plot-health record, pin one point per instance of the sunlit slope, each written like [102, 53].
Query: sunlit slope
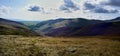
[8, 27]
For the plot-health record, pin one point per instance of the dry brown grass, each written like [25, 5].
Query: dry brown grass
[48, 46]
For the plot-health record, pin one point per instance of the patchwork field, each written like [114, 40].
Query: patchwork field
[59, 46]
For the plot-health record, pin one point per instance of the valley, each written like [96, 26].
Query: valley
[60, 37]
[59, 27]
[77, 27]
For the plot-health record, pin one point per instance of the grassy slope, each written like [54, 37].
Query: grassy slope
[10, 30]
[103, 29]
[38, 46]
[8, 27]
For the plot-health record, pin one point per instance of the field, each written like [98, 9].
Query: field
[59, 46]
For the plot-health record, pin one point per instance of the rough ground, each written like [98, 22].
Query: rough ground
[60, 46]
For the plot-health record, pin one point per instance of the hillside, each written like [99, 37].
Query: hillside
[8, 27]
[101, 29]
[78, 27]
[46, 26]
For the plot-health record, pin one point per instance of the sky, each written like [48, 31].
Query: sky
[37, 10]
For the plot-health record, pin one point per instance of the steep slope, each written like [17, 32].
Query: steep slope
[106, 29]
[102, 29]
[8, 27]
[46, 26]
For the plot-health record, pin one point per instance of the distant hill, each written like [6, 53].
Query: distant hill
[116, 19]
[101, 29]
[78, 27]
[113, 20]
[8, 27]
[46, 26]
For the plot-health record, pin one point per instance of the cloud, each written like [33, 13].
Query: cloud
[104, 10]
[69, 6]
[99, 7]
[4, 10]
[35, 8]
[112, 2]
[89, 5]
[44, 10]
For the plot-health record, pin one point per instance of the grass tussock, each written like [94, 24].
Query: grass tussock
[48, 46]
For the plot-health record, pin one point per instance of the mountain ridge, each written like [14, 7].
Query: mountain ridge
[64, 27]
[46, 26]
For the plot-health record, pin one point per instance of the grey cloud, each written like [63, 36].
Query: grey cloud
[89, 5]
[69, 5]
[98, 8]
[103, 10]
[35, 8]
[112, 2]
